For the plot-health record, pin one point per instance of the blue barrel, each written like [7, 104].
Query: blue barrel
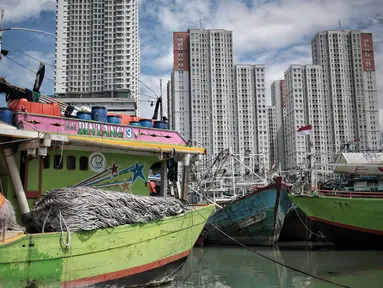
[160, 125]
[114, 119]
[134, 123]
[84, 115]
[6, 115]
[146, 123]
[99, 114]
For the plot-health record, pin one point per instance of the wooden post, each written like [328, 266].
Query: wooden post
[185, 177]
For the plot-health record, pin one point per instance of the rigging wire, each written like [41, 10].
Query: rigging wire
[34, 58]
[25, 67]
[24, 45]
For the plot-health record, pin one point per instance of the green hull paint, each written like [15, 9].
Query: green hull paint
[364, 213]
[44, 260]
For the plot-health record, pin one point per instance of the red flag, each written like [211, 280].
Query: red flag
[305, 130]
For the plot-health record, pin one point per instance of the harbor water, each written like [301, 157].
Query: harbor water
[218, 267]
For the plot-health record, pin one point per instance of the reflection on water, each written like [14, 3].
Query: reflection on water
[238, 267]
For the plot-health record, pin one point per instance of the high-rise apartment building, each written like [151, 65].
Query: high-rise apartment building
[278, 100]
[180, 85]
[212, 102]
[304, 106]
[220, 106]
[251, 119]
[271, 114]
[169, 104]
[349, 88]
[97, 49]
[202, 88]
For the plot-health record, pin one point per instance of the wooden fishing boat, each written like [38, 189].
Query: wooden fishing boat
[254, 219]
[43, 152]
[348, 210]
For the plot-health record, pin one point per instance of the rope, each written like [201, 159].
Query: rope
[8, 214]
[86, 208]
[308, 229]
[270, 259]
[67, 244]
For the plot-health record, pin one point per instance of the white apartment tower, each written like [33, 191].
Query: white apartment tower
[97, 49]
[169, 103]
[349, 88]
[180, 94]
[271, 115]
[252, 114]
[212, 95]
[202, 88]
[304, 106]
[278, 100]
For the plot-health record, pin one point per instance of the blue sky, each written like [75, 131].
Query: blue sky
[276, 33]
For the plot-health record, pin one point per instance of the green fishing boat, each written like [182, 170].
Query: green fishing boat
[348, 210]
[40, 153]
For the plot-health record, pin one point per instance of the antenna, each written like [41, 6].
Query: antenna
[340, 24]
[1, 26]
[200, 23]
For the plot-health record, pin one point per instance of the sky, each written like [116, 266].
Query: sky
[276, 33]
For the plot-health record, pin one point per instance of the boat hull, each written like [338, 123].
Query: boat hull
[297, 227]
[132, 255]
[347, 222]
[255, 219]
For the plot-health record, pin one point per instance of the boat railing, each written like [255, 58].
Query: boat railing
[351, 194]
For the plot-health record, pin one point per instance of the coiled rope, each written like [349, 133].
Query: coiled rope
[87, 208]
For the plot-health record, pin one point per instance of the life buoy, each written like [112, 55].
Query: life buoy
[2, 200]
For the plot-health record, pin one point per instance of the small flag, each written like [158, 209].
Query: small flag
[305, 130]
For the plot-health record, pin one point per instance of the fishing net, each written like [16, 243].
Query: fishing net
[8, 217]
[87, 208]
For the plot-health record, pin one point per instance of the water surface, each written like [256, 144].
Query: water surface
[225, 266]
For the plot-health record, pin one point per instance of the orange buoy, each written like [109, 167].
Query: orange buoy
[2, 200]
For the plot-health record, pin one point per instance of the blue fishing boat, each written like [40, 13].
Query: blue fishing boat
[254, 219]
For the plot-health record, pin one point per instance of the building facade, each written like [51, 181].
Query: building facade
[180, 94]
[202, 88]
[169, 104]
[271, 113]
[278, 100]
[349, 88]
[304, 106]
[251, 113]
[97, 49]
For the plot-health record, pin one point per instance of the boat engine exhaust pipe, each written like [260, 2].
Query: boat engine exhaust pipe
[17, 185]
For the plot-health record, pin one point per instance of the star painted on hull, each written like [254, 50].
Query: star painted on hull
[137, 172]
[114, 169]
[126, 186]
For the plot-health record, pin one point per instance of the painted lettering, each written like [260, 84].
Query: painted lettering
[96, 129]
[129, 133]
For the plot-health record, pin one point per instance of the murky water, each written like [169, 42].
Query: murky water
[238, 267]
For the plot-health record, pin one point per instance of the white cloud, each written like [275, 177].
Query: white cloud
[274, 33]
[19, 10]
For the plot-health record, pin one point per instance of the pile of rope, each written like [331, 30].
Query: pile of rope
[8, 216]
[87, 208]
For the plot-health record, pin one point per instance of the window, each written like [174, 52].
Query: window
[83, 163]
[58, 162]
[71, 163]
[46, 162]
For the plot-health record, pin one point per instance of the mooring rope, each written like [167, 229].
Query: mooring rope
[270, 259]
